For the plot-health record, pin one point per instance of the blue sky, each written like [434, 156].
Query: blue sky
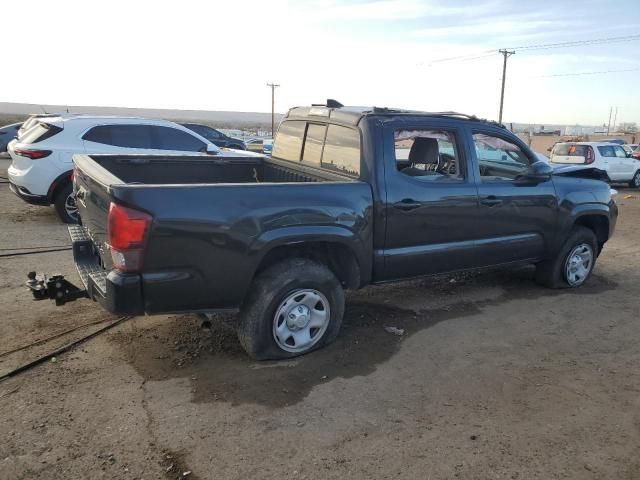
[220, 55]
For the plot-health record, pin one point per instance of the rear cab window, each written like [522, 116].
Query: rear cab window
[331, 147]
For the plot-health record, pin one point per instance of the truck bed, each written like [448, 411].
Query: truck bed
[158, 170]
[213, 222]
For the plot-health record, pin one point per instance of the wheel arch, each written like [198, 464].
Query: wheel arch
[58, 184]
[333, 246]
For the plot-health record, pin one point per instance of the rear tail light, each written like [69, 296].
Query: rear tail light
[32, 154]
[591, 156]
[127, 230]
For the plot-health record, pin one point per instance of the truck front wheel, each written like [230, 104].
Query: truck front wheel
[573, 264]
[294, 307]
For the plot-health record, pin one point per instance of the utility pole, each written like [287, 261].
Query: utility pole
[615, 117]
[609, 124]
[273, 105]
[506, 54]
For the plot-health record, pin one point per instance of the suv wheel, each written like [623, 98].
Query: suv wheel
[293, 308]
[65, 205]
[573, 264]
[635, 181]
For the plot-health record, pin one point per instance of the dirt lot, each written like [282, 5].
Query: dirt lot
[495, 377]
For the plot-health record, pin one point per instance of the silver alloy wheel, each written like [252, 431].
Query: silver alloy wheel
[70, 206]
[636, 179]
[301, 320]
[578, 264]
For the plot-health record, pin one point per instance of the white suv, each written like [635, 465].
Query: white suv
[42, 165]
[609, 157]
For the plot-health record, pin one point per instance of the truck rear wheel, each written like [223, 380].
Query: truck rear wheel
[65, 204]
[573, 265]
[294, 307]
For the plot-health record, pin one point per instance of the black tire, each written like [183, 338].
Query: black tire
[60, 204]
[553, 273]
[635, 181]
[268, 292]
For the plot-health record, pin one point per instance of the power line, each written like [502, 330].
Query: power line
[466, 58]
[577, 74]
[576, 43]
[541, 46]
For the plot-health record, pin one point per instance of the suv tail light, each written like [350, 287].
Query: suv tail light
[32, 154]
[591, 156]
[127, 231]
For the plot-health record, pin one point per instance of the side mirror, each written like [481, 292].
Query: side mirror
[539, 172]
[212, 149]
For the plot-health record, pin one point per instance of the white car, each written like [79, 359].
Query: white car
[609, 157]
[41, 168]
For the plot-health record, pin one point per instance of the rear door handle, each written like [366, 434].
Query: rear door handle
[407, 204]
[491, 201]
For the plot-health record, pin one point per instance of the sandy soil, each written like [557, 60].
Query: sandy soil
[495, 377]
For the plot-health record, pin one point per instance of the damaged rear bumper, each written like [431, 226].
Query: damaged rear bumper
[119, 293]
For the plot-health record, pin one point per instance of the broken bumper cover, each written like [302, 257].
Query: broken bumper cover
[119, 293]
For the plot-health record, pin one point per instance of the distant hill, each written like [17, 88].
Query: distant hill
[215, 118]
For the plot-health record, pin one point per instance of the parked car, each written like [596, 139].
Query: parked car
[606, 156]
[8, 133]
[40, 173]
[351, 196]
[261, 145]
[636, 153]
[617, 141]
[215, 136]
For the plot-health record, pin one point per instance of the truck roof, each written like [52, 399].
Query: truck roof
[352, 115]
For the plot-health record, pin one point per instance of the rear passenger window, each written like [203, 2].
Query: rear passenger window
[167, 138]
[127, 136]
[313, 143]
[288, 141]
[606, 151]
[100, 134]
[427, 155]
[342, 150]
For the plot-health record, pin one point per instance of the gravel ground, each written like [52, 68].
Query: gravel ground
[494, 377]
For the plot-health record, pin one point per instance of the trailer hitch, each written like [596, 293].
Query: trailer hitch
[55, 288]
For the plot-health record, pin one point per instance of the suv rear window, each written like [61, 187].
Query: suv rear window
[39, 132]
[570, 150]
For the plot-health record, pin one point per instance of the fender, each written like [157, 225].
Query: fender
[361, 248]
[61, 179]
[583, 210]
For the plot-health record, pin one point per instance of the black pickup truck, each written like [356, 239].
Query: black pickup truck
[351, 196]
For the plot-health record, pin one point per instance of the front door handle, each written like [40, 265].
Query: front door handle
[491, 201]
[407, 204]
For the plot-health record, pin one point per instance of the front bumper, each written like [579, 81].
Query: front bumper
[29, 197]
